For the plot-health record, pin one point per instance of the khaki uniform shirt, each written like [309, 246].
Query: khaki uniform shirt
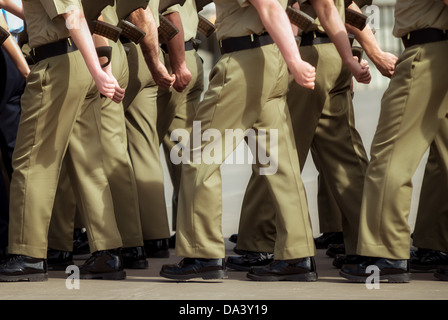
[45, 23]
[189, 17]
[110, 15]
[154, 6]
[306, 7]
[411, 15]
[237, 18]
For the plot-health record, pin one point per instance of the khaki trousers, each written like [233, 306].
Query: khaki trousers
[431, 225]
[144, 147]
[412, 117]
[323, 122]
[176, 110]
[118, 169]
[247, 91]
[60, 117]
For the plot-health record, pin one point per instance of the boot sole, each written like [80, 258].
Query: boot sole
[238, 267]
[121, 275]
[423, 269]
[38, 277]
[391, 278]
[439, 276]
[210, 275]
[305, 277]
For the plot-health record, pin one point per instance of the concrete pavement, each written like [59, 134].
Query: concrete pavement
[148, 285]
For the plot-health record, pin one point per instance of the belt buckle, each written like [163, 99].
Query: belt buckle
[252, 39]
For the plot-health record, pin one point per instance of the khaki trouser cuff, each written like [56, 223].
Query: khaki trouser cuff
[210, 252]
[106, 244]
[262, 246]
[26, 250]
[131, 242]
[294, 253]
[398, 252]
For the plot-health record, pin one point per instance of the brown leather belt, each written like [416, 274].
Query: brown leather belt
[189, 45]
[246, 42]
[316, 37]
[53, 49]
[423, 36]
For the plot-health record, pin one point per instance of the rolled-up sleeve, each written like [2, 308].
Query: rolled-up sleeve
[172, 9]
[55, 8]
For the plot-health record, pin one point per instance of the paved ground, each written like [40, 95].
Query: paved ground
[148, 285]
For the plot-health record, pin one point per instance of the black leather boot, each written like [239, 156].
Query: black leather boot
[59, 260]
[157, 248]
[190, 268]
[248, 260]
[394, 271]
[80, 242]
[303, 269]
[134, 258]
[105, 264]
[23, 268]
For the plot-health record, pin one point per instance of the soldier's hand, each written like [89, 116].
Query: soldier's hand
[161, 76]
[446, 2]
[105, 84]
[304, 74]
[183, 78]
[360, 71]
[385, 63]
[119, 92]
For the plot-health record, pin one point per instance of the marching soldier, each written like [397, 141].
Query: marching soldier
[116, 159]
[247, 90]
[60, 117]
[177, 107]
[323, 121]
[148, 75]
[413, 116]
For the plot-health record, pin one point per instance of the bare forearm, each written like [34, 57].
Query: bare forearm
[13, 8]
[331, 21]
[14, 52]
[365, 37]
[80, 34]
[83, 39]
[16, 56]
[150, 44]
[277, 24]
[176, 46]
[150, 47]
